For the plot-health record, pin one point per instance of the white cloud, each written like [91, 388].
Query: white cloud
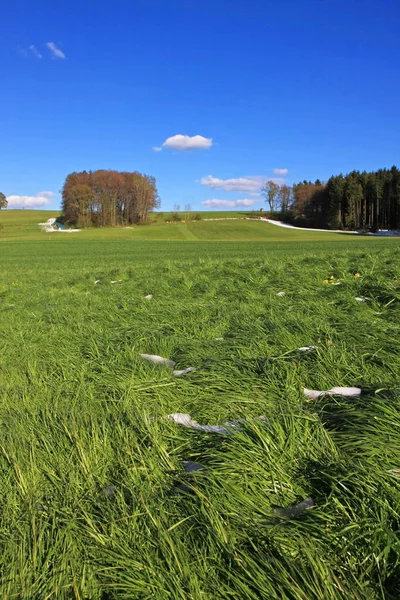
[246, 202]
[55, 52]
[35, 51]
[216, 203]
[281, 171]
[41, 199]
[185, 142]
[48, 194]
[241, 184]
[157, 148]
[229, 203]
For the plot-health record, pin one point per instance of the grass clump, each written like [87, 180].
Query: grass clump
[96, 502]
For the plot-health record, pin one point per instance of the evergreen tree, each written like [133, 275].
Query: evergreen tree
[357, 200]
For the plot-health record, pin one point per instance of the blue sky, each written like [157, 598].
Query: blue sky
[310, 87]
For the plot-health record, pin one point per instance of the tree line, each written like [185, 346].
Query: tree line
[108, 198]
[359, 200]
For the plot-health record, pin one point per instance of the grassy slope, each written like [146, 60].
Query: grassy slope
[212, 214]
[23, 224]
[89, 470]
[17, 224]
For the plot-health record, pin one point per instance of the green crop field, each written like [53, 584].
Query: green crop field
[24, 224]
[98, 500]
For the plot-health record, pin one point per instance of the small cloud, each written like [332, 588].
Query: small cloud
[281, 172]
[240, 184]
[55, 52]
[35, 51]
[46, 194]
[41, 199]
[246, 202]
[217, 203]
[228, 203]
[278, 180]
[157, 148]
[185, 142]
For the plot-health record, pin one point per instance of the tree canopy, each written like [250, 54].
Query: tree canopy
[271, 191]
[354, 201]
[3, 201]
[108, 198]
[359, 200]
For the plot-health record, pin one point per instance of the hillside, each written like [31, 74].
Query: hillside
[17, 224]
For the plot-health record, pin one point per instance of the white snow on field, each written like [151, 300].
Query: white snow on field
[287, 226]
[48, 227]
[380, 232]
[158, 360]
[63, 230]
[182, 372]
[307, 348]
[228, 428]
[353, 392]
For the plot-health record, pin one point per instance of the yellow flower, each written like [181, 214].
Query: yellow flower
[329, 343]
[357, 275]
[331, 277]
[326, 281]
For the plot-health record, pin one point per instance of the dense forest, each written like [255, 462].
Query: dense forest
[108, 198]
[354, 201]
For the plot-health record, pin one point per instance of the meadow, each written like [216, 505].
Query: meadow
[23, 224]
[98, 500]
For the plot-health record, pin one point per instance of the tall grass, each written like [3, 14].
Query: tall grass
[95, 501]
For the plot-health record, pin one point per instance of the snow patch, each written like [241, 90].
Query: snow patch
[352, 392]
[227, 429]
[182, 372]
[158, 360]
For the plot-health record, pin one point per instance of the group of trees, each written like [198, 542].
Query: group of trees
[278, 196]
[355, 201]
[108, 198]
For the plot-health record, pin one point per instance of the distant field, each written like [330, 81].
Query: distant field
[20, 224]
[24, 223]
[17, 224]
[224, 214]
[96, 503]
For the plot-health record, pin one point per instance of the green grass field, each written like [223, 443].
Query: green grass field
[95, 500]
[23, 224]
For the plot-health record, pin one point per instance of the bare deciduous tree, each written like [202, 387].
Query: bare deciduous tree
[108, 198]
[270, 192]
[285, 195]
